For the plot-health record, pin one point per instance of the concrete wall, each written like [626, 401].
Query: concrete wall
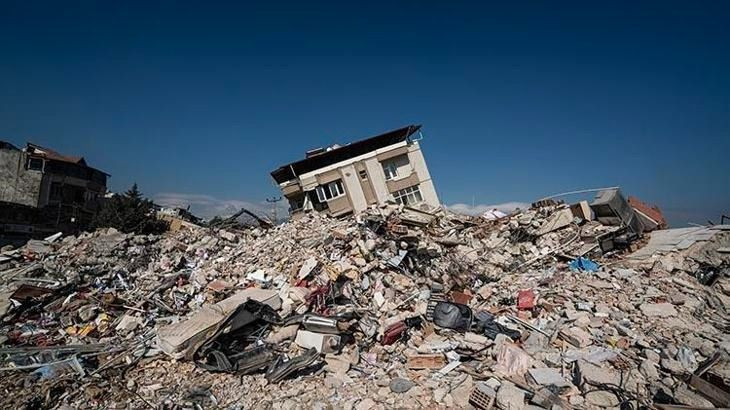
[392, 153]
[428, 191]
[17, 184]
[402, 163]
[329, 176]
[402, 183]
[377, 179]
[353, 188]
[366, 184]
[412, 170]
[48, 179]
[339, 206]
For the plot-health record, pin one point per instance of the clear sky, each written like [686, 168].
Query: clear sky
[199, 101]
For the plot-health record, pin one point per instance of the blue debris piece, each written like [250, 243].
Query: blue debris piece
[583, 265]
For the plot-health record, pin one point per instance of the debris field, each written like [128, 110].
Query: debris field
[392, 308]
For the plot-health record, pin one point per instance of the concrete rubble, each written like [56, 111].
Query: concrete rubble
[390, 308]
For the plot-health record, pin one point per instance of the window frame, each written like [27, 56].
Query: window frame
[39, 160]
[335, 189]
[390, 170]
[409, 195]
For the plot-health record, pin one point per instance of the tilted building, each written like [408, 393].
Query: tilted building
[348, 179]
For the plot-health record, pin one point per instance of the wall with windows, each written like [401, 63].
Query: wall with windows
[410, 196]
[330, 190]
[65, 189]
[397, 172]
[406, 170]
[31, 181]
[397, 167]
[428, 191]
[18, 185]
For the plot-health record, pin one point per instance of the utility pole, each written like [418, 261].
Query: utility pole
[273, 201]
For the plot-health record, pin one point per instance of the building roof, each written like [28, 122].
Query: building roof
[292, 170]
[54, 155]
[652, 212]
[7, 145]
[50, 154]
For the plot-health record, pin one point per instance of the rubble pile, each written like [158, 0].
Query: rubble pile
[392, 308]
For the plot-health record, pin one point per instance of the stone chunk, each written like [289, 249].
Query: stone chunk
[648, 370]
[684, 395]
[596, 375]
[400, 385]
[546, 376]
[652, 355]
[658, 309]
[602, 398]
[509, 397]
[576, 336]
[672, 366]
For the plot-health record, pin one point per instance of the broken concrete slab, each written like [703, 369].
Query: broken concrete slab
[510, 397]
[180, 340]
[658, 309]
[546, 376]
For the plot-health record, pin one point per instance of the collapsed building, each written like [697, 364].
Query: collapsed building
[371, 297]
[43, 191]
[341, 180]
[392, 307]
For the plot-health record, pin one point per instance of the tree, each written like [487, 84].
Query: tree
[129, 212]
[133, 192]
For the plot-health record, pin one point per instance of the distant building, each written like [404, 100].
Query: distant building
[350, 178]
[42, 190]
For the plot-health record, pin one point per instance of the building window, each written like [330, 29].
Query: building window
[408, 196]
[36, 164]
[296, 204]
[330, 191]
[90, 196]
[394, 167]
[390, 170]
[363, 175]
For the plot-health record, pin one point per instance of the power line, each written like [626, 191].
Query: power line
[273, 201]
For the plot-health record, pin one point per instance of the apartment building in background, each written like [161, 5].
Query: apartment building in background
[44, 191]
[346, 179]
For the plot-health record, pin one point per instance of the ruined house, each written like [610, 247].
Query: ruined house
[42, 190]
[346, 179]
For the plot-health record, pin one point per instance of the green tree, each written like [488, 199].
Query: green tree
[133, 192]
[129, 212]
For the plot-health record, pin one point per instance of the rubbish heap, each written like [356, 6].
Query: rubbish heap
[392, 308]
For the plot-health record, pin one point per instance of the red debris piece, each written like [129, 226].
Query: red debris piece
[461, 297]
[219, 285]
[525, 299]
[394, 333]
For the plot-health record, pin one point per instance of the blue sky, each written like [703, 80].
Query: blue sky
[199, 102]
